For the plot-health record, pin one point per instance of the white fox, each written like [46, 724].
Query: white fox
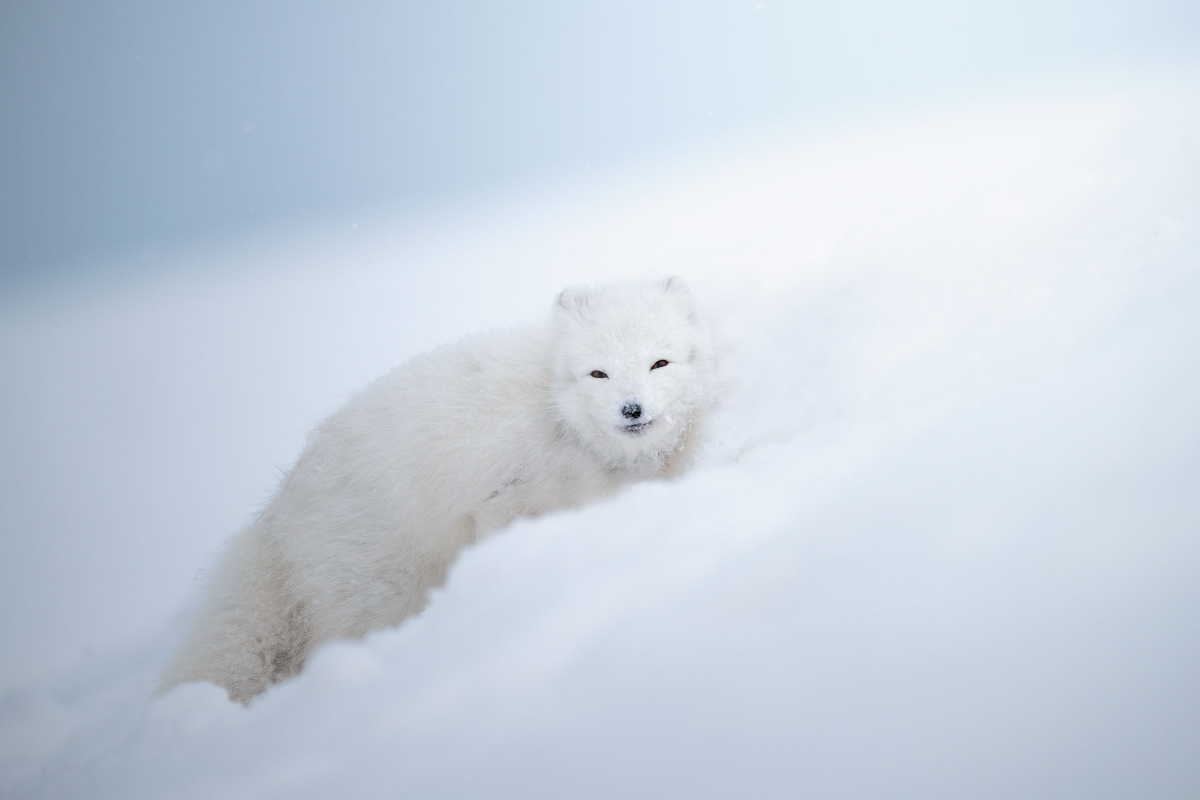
[442, 450]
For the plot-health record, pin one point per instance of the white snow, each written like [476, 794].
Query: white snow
[947, 543]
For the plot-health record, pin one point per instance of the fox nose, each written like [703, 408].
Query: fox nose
[631, 410]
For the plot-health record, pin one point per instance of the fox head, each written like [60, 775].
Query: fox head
[633, 363]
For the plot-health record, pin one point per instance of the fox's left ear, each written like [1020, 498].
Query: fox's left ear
[681, 294]
[675, 284]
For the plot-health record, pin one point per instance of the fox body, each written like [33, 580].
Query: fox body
[442, 450]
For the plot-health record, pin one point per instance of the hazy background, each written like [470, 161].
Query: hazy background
[945, 541]
[126, 126]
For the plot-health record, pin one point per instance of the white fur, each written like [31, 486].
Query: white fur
[445, 448]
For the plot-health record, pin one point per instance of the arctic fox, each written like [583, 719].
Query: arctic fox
[445, 448]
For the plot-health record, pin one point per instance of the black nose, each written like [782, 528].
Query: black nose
[631, 410]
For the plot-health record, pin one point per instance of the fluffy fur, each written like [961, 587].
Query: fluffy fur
[444, 449]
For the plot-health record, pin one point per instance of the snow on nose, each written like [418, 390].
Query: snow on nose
[631, 410]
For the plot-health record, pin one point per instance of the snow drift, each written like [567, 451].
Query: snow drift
[946, 544]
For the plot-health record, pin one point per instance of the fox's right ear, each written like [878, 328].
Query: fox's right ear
[573, 299]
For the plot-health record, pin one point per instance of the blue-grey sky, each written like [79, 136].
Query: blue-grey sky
[130, 124]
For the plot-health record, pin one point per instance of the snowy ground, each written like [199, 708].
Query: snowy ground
[946, 545]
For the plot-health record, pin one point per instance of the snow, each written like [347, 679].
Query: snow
[944, 545]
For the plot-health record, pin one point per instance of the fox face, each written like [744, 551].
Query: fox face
[632, 364]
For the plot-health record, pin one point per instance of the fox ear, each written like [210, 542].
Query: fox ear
[573, 299]
[675, 285]
[677, 290]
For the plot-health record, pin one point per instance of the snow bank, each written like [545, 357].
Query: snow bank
[945, 544]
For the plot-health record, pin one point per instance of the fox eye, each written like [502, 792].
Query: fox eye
[598, 374]
[662, 362]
